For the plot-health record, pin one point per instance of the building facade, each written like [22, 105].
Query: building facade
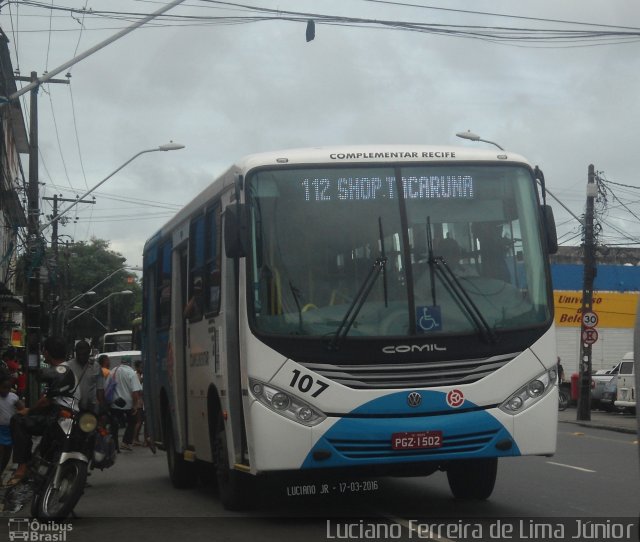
[615, 298]
[13, 143]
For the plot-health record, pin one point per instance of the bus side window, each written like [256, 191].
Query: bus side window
[194, 309]
[164, 285]
[213, 260]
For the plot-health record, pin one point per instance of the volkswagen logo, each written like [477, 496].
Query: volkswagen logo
[414, 399]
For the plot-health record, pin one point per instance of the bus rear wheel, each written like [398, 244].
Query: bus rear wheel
[235, 488]
[472, 478]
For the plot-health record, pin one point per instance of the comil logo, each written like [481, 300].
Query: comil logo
[408, 348]
[32, 530]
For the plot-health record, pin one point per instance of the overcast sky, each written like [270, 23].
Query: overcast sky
[227, 90]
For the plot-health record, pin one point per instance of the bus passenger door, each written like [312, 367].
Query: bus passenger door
[198, 325]
[182, 350]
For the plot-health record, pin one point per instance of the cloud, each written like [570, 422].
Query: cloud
[227, 91]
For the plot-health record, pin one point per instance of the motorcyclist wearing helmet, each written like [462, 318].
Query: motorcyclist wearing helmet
[63, 392]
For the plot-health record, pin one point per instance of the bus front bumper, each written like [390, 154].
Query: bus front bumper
[280, 444]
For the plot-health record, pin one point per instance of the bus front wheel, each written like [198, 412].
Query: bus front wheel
[472, 478]
[182, 473]
[234, 487]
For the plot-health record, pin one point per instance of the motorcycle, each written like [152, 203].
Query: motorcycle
[62, 457]
[563, 400]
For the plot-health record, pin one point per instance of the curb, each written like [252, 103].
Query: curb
[596, 425]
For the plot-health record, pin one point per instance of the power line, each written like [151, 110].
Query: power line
[55, 126]
[532, 36]
[75, 129]
[484, 13]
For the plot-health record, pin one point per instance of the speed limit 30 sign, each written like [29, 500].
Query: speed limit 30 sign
[589, 319]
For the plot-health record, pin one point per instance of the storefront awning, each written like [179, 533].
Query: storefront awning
[10, 303]
[11, 204]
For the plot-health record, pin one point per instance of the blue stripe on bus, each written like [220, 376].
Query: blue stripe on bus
[361, 440]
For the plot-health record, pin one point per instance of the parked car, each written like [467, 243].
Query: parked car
[627, 399]
[609, 394]
[598, 382]
[116, 357]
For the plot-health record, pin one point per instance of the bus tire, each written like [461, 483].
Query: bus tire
[182, 473]
[235, 488]
[472, 478]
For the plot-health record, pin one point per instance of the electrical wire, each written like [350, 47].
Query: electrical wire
[77, 137]
[46, 63]
[606, 34]
[55, 125]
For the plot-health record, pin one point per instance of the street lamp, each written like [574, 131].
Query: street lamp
[124, 268]
[75, 299]
[72, 301]
[171, 146]
[123, 292]
[91, 291]
[59, 316]
[474, 137]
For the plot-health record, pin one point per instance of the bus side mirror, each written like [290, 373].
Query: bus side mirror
[235, 230]
[550, 229]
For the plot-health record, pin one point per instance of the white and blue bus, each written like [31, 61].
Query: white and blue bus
[383, 309]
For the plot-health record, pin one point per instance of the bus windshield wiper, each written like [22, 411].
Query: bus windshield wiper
[438, 266]
[358, 302]
[449, 278]
[295, 292]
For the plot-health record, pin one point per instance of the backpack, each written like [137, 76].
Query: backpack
[110, 387]
[104, 451]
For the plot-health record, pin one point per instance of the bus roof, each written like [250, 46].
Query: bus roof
[359, 154]
[336, 155]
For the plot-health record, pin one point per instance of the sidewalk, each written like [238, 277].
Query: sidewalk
[613, 421]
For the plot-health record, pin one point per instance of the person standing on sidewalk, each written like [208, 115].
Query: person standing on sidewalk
[105, 365]
[126, 403]
[9, 404]
[560, 372]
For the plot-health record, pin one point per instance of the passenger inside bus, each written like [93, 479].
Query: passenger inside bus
[193, 309]
[449, 249]
[493, 250]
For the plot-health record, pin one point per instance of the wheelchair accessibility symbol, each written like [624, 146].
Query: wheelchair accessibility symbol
[428, 318]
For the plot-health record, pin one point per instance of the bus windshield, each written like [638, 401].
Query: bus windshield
[376, 251]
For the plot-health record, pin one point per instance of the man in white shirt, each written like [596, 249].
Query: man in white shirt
[127, 400]
[89, 375]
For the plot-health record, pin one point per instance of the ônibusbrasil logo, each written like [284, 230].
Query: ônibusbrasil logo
[32, 530]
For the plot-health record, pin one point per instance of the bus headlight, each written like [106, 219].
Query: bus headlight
[530, 393]
[285, 404]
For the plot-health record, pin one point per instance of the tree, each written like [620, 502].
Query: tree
[82, 267]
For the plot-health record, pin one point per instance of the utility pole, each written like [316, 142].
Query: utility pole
[35, 245]
[57, 291]
[35, 248]
[587, 336]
